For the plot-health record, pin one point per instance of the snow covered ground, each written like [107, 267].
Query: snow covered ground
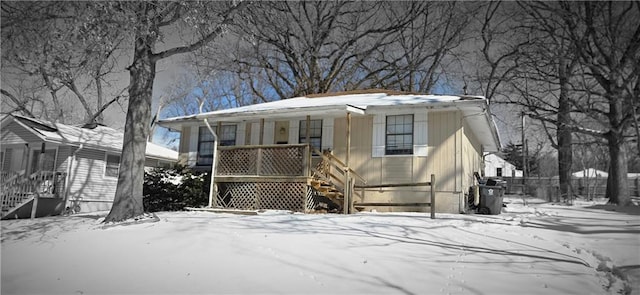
[539, 248]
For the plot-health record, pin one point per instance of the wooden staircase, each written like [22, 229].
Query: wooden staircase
[331, 198]
[328, 182]
[18, 190]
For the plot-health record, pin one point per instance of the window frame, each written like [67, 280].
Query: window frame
[408, 147]
[223, 141]
[302, 132]
[107, 167]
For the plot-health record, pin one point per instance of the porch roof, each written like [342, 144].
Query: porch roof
[475, 109]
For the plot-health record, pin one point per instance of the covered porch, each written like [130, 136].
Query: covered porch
[295, 177]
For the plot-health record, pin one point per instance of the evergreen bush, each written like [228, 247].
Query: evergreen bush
[172, 189]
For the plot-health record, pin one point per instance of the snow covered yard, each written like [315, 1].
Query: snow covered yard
[536, 249]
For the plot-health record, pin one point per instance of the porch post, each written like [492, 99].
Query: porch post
[36, 196]
[41, 158]
[261, 131]
[25, 159]
[307, 130]
[347, 173]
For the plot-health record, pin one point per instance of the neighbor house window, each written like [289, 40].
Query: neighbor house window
[499, 172]
[112, 166]
[399, 135]
[227, 136]
[315, 133]
[48, 163]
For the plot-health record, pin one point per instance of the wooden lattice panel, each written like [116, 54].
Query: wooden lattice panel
[287, 161]
[263, 195]
[311, 202]
[242, 195]
[237, 162]
[281, 196]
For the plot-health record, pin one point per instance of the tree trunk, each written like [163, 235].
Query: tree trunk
[565, 150]
[617, 186]
[128, 199]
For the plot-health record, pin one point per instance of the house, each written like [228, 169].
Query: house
[590, 173]
[367, 150]
[495, 166]
[62, 166]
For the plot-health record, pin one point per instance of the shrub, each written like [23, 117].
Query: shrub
[172, 189]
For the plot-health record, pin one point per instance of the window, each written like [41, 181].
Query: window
[112, 166]
[48, 162]
[227, 137]
[399, 135]
[315, 133]
[499, 172]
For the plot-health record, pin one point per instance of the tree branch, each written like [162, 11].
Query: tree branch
[19, 104]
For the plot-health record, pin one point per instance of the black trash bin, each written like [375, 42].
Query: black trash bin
[490, 199]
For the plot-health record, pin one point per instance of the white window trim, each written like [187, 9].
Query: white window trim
[104, 171]
[420, 133]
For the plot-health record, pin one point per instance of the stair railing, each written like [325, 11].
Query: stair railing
[324, 171]
[18, 188]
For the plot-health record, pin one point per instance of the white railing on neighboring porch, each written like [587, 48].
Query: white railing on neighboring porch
[18, 188]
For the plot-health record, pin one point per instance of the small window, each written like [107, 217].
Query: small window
[315, 133]
[112, 166]
[399, 135]
[499, 172]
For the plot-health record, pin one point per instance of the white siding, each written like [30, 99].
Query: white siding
[294, 129]
[269, 128]
[193, 146]
[255, 133]
[327, 133]
[240, 133]
[87, 181]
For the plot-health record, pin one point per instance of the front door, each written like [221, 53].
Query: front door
[281, 132]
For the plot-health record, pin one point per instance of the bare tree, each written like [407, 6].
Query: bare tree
[207, 22]
[594, 49]
[287, 49]
[62, 54]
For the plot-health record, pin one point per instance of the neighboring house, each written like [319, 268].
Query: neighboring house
[590, 173]
[65, 166]
[378, 147]
[495, 166]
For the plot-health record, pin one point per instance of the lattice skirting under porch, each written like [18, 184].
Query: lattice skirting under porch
[293, 196]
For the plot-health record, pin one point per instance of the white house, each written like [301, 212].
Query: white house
[66, 166]
[495, 166]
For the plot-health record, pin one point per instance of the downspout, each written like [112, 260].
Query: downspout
[213, 189]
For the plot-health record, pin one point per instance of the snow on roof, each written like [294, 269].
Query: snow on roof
[325, 103]
[357, 102]
[100, 137]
